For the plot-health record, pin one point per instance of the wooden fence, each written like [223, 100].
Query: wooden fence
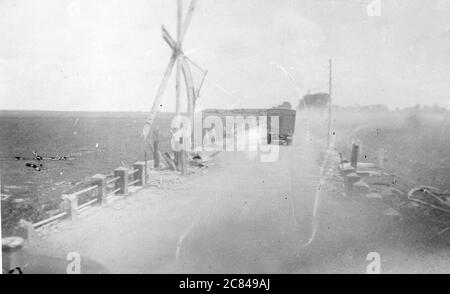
[103, 187]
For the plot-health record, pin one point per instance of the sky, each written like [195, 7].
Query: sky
[108, 55]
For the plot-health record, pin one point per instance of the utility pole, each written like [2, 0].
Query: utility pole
[178, 75]
[182, 164]
[329, 102]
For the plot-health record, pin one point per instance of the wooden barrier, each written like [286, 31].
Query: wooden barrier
[170, 163]
[99, 180]
[139, 175]
[349, 180]
[122, 182]
[354, 157]
[182, 157]
[146, 169]
[24, 229]
[176, 160]
[49, 220]
[11, 247]
[71, 205]
[380, 157]
[156, 154]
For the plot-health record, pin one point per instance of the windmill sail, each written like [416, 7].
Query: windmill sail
[197, 76]
[179, 56]
[159, 95]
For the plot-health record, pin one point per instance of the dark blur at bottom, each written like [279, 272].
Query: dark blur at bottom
[16, 259]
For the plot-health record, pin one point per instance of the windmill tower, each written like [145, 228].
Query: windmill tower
[182, 67]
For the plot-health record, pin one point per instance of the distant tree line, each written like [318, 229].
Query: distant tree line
[317, 100]
[284, 105]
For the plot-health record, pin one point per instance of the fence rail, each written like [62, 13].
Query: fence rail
[49, 220]
[85, 190]
[112, 192]
[133, 182]
[100, 183]
[87, 204]
[112, 180]
[133, 171]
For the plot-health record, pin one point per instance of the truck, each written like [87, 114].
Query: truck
[286, 125]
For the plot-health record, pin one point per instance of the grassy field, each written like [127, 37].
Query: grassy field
[99, 141]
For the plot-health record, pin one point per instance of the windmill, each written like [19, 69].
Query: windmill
[182, 67]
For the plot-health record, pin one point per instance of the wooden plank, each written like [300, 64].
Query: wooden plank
[48, 220]
[187, 20]
[179, 46]
[88, 189]
[168, 160]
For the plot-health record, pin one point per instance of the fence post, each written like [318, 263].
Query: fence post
[182, 160]
[25, 230]
[145, 168]
[156, 149]
[122, 182]
[176, 158]
[354, 158]
[349, 180]
[140, 174]
[100, 181]
[71, 205]
[380, 157]
[11, 247]
[170, 162]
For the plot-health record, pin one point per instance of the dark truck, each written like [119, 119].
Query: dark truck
[286, 125]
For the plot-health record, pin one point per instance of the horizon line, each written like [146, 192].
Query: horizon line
[218, 108]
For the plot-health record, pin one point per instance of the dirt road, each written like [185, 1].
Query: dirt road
[245, 216]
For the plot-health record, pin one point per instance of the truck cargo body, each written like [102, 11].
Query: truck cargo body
[286, 125]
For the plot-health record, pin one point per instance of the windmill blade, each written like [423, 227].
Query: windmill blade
[187, 20]
[201, 83]
[190, 89]
[179, 62]
[195, 85]
[159, 95]
[179, 20]
[204, 73]
[177, 87]
[168, 38]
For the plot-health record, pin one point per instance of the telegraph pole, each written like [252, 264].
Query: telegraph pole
[329, 102]
[178, 74]
[182, 164]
